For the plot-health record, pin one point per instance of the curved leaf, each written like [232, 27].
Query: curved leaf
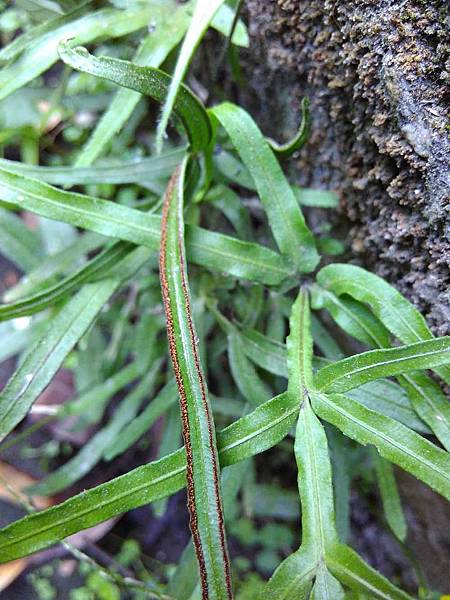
[168, 23]
[393, 309]
[299, 140]
[148, 81]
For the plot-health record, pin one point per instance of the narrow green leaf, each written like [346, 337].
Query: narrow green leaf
[362, 368]
[390, 497]
[229, 255]
[325, 341]
[23, 41]
[233, 169]
[224, 22]
[393, 309]
[315, 484]
[265, 352]
[353, 317]
[261, 429]
[210, 249]
[293, 577]
[46, 356]
[350, 568]
[21, 245]
[314, 475]
[203, 483]
[250, 435]
[97, 268]
[142, 423]
[426, 397]
[168, 22]
[397, 314]
[299, 345]
[299, 140]
[185, 578]
[143, 172]
[52, 265]
[42, 52]
[92, 452]
[316, 198]
[244, 374]
[393, 440]
[91, 403]
[285, 217]
[342, 461]
[430, 404]
[148, 81]
[390, 399]
[170, 441]
[204, 11]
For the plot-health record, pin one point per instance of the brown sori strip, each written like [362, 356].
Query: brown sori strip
[183, 400]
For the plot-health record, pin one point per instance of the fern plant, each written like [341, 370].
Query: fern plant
[224, 286]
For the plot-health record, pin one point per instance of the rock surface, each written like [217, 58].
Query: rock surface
[377, 74]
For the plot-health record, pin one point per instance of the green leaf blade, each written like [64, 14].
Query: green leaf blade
[285, 217]
[42, 53]
[394, 310]
[259, 430]
[356, 574]
[203, 483]
[148, 81]
[210, 249]
[169, 22]
[393, 440]
[359, 369]
[204, 11]
[46, 356]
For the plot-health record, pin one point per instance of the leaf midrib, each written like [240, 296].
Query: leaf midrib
[382, 364]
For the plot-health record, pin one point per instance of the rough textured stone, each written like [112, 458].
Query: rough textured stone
[377, 75]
